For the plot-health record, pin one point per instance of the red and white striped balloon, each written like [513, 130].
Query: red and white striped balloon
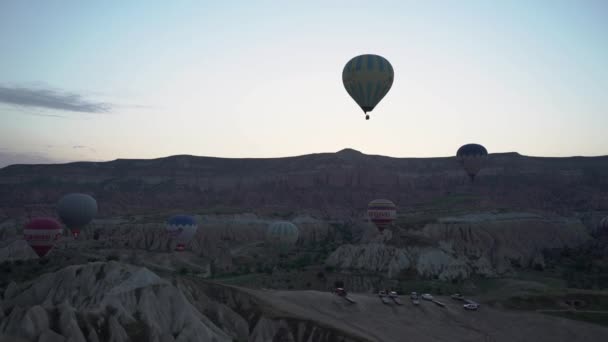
[41, 234]
[381, 212]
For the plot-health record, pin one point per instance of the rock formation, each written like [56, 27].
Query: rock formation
[104, 302]
[483, 244]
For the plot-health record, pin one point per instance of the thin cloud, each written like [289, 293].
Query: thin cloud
[51, 99]
[78, 146]
[47, 115]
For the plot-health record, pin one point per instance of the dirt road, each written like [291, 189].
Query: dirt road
[369, 319]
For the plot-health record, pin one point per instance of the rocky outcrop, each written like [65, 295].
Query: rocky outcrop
[247, 316]
[219, 239]
[17, 250]
[104, 301]
[8, 230]
[373, 257]
[116, 302]
[485, 244]
[213, 230]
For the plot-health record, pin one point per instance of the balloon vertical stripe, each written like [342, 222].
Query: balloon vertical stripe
[380, 63]
[368, 91]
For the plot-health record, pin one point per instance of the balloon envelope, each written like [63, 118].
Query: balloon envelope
[282, 233]
[41, 234]
[381, 212]
[181, 228]
[367, 79]
[472, 158]
[76, 211]
[603, 226]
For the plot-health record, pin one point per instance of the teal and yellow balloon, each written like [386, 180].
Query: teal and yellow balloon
[282, 233]
[367, 79]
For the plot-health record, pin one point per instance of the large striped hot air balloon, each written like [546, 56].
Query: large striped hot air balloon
[472, 158]
[182, 228]
[41, 234]
[282, 233]
[367, 79]
[76, 211]
[381, 212]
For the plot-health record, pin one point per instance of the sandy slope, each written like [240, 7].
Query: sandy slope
[369, 319]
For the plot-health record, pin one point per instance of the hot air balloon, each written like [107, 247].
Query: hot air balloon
[181, 228]
[602, 228]
[41, 234]
[76, 211]
[282, 233]
[381, 212]
[472, 157]
[367, 79]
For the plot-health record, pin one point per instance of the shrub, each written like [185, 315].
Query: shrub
[112, 257]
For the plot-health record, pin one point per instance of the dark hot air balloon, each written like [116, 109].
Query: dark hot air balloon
[367, 79]
[472, 157]
[76, 211]
[602, 228]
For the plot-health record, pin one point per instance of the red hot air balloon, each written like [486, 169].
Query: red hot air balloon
[41, 234]
[382, 213]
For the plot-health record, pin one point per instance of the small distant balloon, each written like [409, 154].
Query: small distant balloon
[603, 226]
[182, 228]
[382, 213]
[41, 234]
[472, 157]
[76, 211]
[367, 79]
[282, 233]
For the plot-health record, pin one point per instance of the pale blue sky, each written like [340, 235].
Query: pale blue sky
[263, 79]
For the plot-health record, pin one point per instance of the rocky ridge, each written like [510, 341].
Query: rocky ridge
[328, 185]
[486, 244]
[111, 301]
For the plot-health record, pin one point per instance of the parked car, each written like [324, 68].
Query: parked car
[471, 306]
[414, 295]
[457, 296]
[427, 296]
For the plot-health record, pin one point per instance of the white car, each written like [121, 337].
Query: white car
[427, 296]
[471, 306]
[457, 296]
